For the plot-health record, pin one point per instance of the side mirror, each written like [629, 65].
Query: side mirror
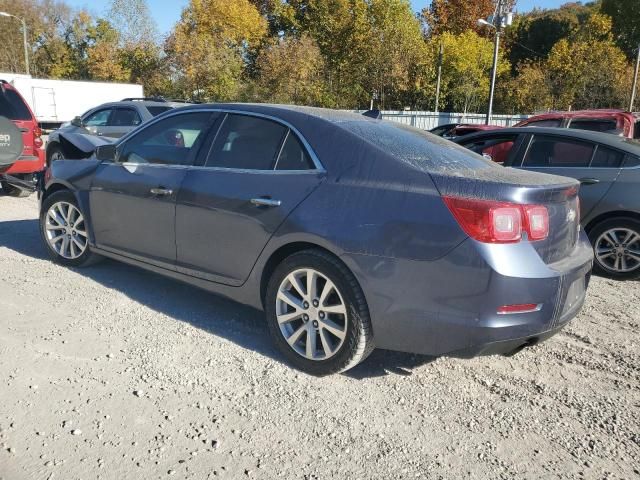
[106, 153]
[77, 122]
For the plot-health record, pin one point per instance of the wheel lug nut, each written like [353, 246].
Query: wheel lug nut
[305, 317]
[305, 305]
[321, 315]
[315, 303]
[315, 324]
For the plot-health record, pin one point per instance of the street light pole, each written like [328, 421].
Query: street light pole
[24, 39]
[494, 69]
[635, 82]
[440, 55]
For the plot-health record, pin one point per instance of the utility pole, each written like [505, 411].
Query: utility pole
[24, 39]
[635, 81]
[500, 20]
[440, 55]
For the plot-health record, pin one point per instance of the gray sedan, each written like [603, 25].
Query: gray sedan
[349, 232]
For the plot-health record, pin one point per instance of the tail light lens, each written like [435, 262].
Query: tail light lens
[499, 222]
[37, 141]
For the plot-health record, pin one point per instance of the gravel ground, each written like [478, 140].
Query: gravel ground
[115, 373]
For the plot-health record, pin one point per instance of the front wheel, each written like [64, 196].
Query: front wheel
[54, 153]
[64, 230]
[616, 244]
[317, 314]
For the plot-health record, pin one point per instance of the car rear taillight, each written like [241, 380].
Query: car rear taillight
[519, 308]
[491, 221]
[37, 141]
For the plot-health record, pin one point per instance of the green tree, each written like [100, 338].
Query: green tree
[626, 23]
[466, 68]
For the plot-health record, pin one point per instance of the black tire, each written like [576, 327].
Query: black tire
[52, 150]
[358, 342]
[14, 191]
[87, 257]
[614, 223]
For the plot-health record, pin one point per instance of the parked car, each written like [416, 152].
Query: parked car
[109, 121]
[618, 122]
[19, 179]
[453, 130]
[349, 232]
[608, 167]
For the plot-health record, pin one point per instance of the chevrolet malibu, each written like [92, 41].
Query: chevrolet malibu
[349, 232]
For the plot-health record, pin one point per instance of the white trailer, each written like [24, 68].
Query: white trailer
[56, 101]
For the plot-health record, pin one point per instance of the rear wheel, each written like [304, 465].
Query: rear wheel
[14, 191]
[317, 314]
[64, 230]
[616, 244]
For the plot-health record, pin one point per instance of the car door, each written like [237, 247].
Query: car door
[133, 198]
[121, 122]
[97, 121]
[595, 166]
[255, 173]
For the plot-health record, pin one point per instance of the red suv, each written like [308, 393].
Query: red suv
[20, 179]
[618, 122]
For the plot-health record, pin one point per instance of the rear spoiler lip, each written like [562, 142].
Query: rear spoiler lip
[481, 189]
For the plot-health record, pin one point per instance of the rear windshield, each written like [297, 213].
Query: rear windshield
[12, 106]
[155, 111]
[419, 148]
[594, 125]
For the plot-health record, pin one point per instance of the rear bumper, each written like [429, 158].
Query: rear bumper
[449, 306]
[28, 164]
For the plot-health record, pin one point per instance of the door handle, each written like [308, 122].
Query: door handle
[265, 202]
[161, 191]
[100, 134]
[589, 181]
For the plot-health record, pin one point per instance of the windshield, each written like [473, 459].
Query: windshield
[12, 106]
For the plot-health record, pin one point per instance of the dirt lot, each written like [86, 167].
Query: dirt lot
[115, 373]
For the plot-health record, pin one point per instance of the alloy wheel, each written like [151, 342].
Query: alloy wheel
[311, 314]
[618, 250]
[65, 230]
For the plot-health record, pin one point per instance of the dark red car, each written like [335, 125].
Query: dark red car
[20, 179]
[618, 122]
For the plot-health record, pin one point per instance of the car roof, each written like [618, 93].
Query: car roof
[615, 141]
[595, 113]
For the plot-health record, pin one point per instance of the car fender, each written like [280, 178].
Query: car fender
[77, 144]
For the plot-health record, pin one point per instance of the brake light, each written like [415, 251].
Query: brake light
[491, 221]
[37, 141]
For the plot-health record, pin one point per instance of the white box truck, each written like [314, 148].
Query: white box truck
[57, 101]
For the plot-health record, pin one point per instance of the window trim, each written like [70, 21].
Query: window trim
[319, 168]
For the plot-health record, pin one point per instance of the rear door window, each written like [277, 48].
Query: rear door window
[547, 151]
[497, 149]
[636, 130]
[12, 106]
[594, 124]
[155, 111]
[607, 158]
[246, 142]
[293, 155]
[124, 117]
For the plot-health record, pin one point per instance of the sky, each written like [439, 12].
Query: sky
[167, 12]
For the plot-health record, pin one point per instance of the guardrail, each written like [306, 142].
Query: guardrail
[429, 120]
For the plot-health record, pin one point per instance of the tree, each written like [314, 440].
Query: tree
[455, 16]
[625, 15]
[466, 68]
[209, 46]
[132, 19]
[291, 71]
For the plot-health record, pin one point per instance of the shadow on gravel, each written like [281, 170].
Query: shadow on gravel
[227, 319]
